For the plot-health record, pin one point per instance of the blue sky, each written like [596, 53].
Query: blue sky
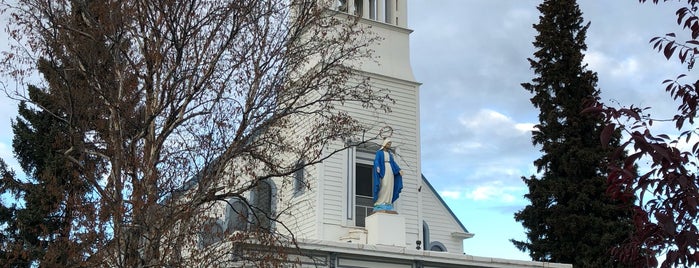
[476, 119]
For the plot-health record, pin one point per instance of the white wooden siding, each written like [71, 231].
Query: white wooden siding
[403, 118]
[298, 211]
[440, 221]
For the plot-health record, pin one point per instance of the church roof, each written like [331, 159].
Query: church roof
[424, 179]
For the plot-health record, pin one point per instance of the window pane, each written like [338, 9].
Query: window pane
[361, 215]
[342, 5]
[211, 233]
[358, 7]
[263, 204]
[363, 208]
[299, 180]
[364, 180]
[237, 216]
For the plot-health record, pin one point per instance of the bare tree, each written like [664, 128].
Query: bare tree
[184, 104]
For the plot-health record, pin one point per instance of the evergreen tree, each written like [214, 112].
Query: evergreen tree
[571, 219]
[42, 225]
[54, 220]
[39, 222]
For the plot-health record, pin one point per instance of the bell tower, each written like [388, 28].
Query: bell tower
[344, 201]
[386, 11]
[389, 20]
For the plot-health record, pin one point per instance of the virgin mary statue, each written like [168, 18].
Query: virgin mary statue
[388, 178]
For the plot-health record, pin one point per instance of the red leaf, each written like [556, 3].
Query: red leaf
[683, 55]
[607, 134]
[669, 49]
[665, 221]
[658, 44]
[692, 202]
[688, 22]
[669, 86]
[592, 109]
[680, 15]
[631, 159]
[679, 123]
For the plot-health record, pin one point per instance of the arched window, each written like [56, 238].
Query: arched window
[425, 235]
[262, 205]
[437, 246]
[342, 5]
[236, 216]
[211, 232]
[299, 178]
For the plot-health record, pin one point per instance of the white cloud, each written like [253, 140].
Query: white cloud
[491, 192]
[5, 151]
[493, 133]
[525, 127]
[450, 194]
[598, 61]
[494, 192]
[7, 156]
[625, 68]
[519, 16]
[483, 193]
[483, 146]
[488, 122]
[466, 146]
[484, 117]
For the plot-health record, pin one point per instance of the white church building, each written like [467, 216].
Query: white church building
[332, 218]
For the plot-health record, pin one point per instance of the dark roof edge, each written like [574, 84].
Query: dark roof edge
[443, 203]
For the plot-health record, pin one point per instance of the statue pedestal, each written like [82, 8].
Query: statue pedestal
[385, 229]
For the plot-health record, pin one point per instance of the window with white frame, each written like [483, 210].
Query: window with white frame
[358, 8]
[262, 206]
[437, 246]
[299, 178]
[363, 185]
[255, 215]
[210, 233]
[427, 244]
[237, 214]
[360, 201]
[425, 235]
[342, 5]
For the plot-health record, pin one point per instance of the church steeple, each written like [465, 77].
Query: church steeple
[389, 20]
[386, 11]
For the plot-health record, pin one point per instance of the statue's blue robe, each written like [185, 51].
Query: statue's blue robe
[397, 181]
